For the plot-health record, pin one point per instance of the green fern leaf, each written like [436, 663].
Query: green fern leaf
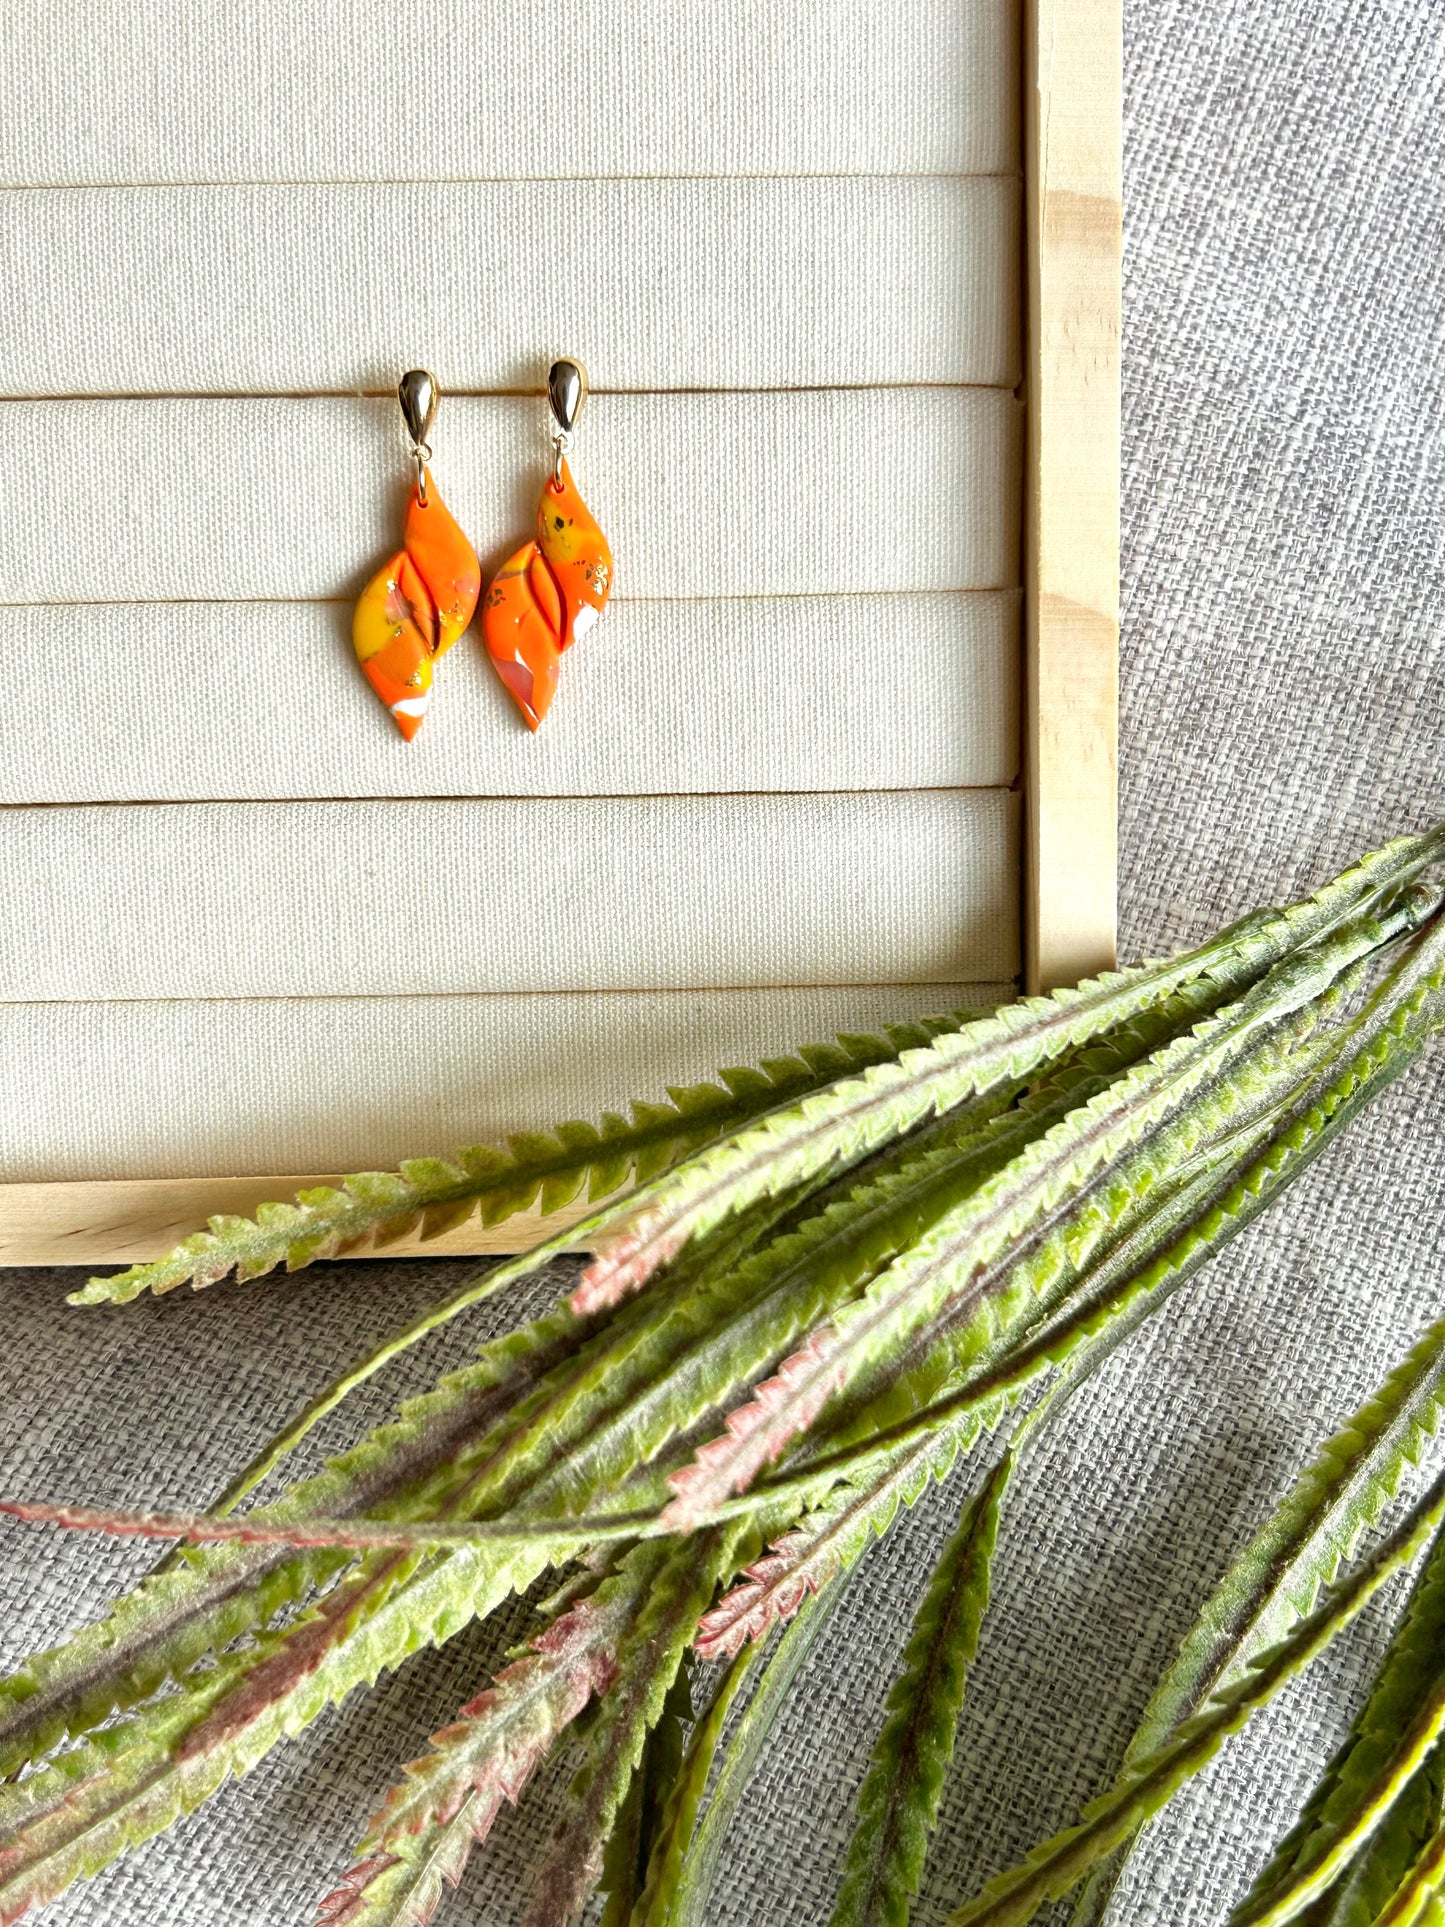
[1298, 1550]
[855, 1115]
[396, 1890]
[208, 1599]
[644, 1811]
[899, 1799]
[1389, 1864]
[1419, 1899]
[684, 1904]
[1398, 1727]
[955, 1255]
[683, 1581]
[672, 1842]
[1145, 1786]
[123, 1783]
[499, 1739]
[481, 1447]
[548, 1169]
[447, 1801]
[891, 1470]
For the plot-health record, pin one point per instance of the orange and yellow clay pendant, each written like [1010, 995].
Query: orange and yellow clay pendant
[415, 607]
[551, 592]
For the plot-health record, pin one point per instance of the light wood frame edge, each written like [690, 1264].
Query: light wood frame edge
[1072, 160]
[1073, 115]
[127, 1221]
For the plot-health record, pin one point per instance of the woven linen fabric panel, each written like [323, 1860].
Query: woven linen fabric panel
[837, 692]
[687, 284]
[787, 757]
[807, 493]
[242, 1087]
[387, 90]
[560, 894]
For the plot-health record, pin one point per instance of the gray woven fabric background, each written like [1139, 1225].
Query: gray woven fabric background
[1284, 707]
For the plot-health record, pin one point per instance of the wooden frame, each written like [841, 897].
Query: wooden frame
[1072, 176]
[1072, 160]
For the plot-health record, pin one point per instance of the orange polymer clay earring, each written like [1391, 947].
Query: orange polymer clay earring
[551, 592]
[416, 605]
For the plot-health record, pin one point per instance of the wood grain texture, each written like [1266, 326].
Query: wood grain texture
[129, 1221]
[1072, 155]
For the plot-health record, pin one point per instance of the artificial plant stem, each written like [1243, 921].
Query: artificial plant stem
[1180, 1257]
[846, 1122]
[954, 1268]
[1015, 1896]
[927, 1445]
[1396, 1728]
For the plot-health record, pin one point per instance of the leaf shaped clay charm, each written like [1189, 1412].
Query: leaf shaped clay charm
[445, 561]
[522, 621]
[578, 552]
[414, 608]
[545, 596]
[394, 634]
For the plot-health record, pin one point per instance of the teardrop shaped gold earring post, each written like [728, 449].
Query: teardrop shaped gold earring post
[419, 391]
[566, 396]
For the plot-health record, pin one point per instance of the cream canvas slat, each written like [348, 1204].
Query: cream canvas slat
[432, 896]
[238, 1088]
[700, 494]
[261, 700]
[181, 90]
[673, 284]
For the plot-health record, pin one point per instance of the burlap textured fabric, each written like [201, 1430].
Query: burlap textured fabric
[1284, 707]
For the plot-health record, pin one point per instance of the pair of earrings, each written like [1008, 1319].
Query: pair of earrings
[540, 602]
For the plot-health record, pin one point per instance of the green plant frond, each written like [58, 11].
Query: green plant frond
[899, 1799]
[125, 1782]
[1163, 1250]
[653, 1370]
[846, 1122]
[432, 1319]
[687, 1900]
[498, 1740]
[672, 1841]
[1396, 1730]
[546, 1169]
[207, 1599]
[859, 1227]
[396, 1890]
[446, 1802]
[1182, 1085]
[806, 1251]
[888, 1477]
[964, 1207]
[890, 1470]
[1279, 1574]
[648, 1662]
[711, 1332]
[1390, 1860]
[1112, 1227]
[741, 1325]
[703, 1259]
[117, 1788]
[1419, 1899]
[650, 1798]
[1149, 1782]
